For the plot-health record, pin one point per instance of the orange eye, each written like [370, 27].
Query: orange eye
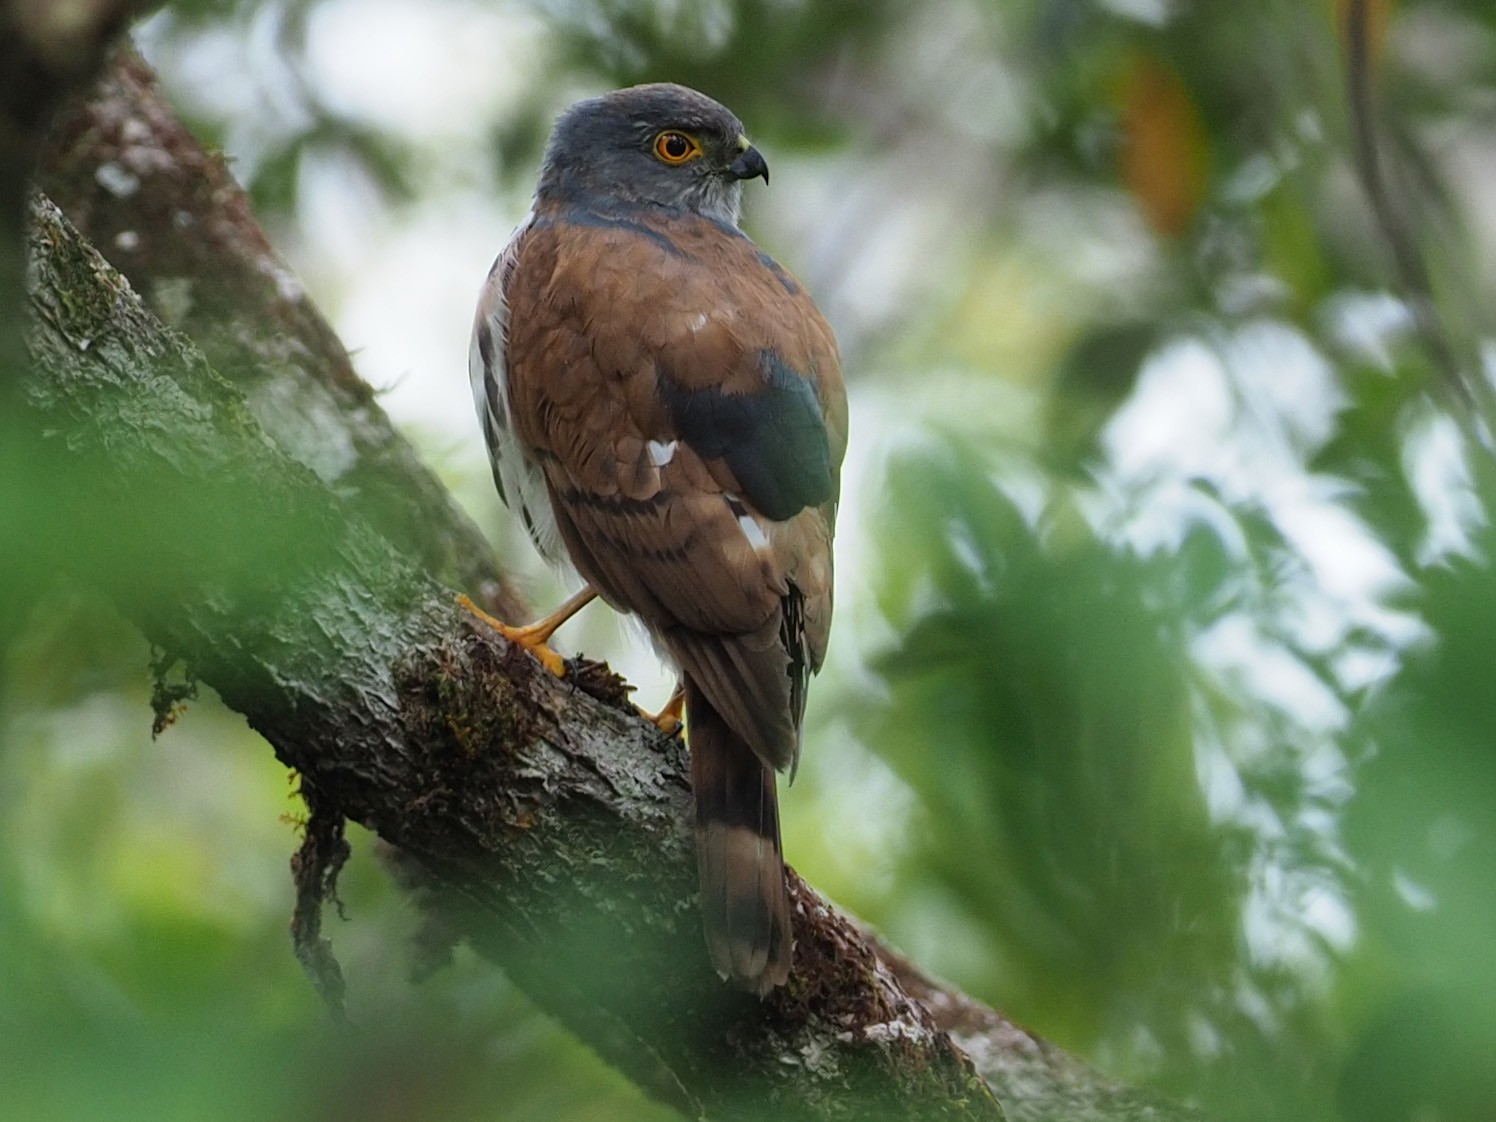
[676, 147]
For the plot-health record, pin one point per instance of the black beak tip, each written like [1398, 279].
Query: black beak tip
[750, 165]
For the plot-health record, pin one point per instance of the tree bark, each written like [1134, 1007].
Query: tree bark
[170, 216]
[46, 52]
[538, 819]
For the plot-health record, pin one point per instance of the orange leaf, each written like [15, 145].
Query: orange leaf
[1165, 154]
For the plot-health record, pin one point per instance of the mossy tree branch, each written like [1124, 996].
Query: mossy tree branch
[171, 217]
[47, 51]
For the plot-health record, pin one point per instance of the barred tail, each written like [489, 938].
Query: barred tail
[745, 906]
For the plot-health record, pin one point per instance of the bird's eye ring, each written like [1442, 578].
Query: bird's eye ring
[676, 147]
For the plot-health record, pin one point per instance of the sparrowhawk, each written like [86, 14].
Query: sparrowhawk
[663, 406]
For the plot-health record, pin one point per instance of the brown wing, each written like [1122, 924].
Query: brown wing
[683, 398]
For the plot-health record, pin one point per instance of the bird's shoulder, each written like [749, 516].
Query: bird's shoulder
[673, 278]
[664, 295]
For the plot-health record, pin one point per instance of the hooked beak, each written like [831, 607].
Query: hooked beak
[750, 165]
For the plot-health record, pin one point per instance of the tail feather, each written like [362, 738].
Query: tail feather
[745, 907]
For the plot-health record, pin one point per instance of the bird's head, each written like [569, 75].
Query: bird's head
[660, 143]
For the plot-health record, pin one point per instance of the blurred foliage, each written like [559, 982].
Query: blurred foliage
[1074, 801]
[1156, 714]
[144, 952]
[1203, 805]
[262, 89]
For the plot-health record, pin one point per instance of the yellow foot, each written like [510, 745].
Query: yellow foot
[668, 720]
[532, 637]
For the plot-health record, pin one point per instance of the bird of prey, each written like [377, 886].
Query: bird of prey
[663, 407]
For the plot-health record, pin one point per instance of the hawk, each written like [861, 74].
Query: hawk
[663, 407]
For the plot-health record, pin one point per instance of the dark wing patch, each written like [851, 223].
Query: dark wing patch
[773, 440]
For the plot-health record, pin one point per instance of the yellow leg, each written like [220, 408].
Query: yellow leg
[668, 720]
[535, 637]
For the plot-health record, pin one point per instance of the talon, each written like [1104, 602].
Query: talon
[548, 658]
[534, 637]
[668, 720]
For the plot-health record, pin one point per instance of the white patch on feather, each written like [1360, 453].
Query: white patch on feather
[698, 321]
[660, 452]
[753, 531]
[746, 522]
